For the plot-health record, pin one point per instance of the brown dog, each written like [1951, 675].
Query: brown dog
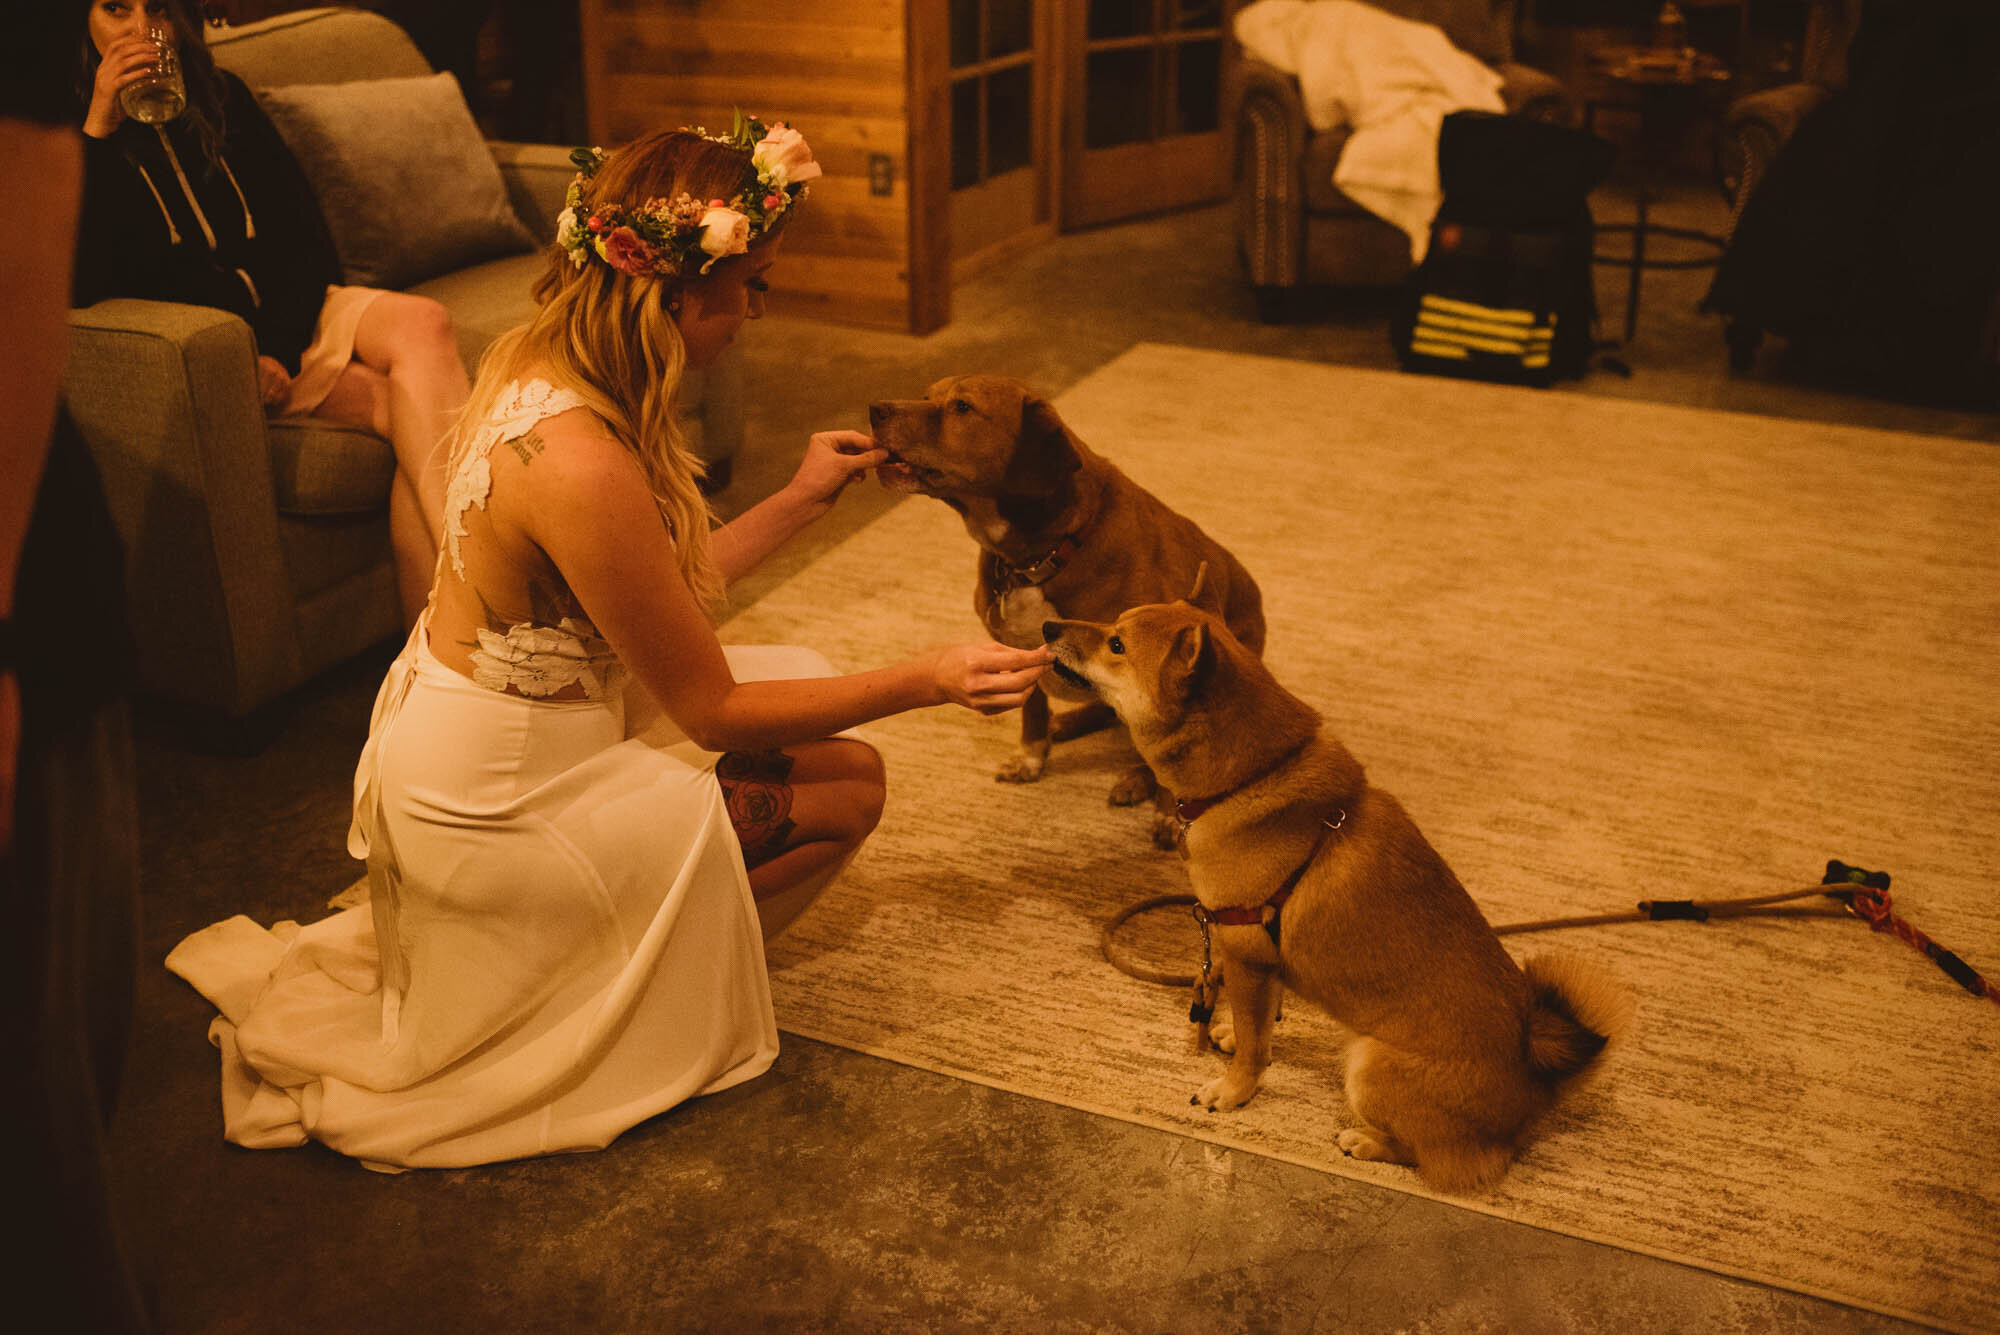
[1314, 879]
[1062, 533]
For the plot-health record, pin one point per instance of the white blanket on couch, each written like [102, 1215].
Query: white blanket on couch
[1392, 80]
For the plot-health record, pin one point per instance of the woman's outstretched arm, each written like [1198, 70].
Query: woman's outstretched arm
[832, 460]
[591, 512]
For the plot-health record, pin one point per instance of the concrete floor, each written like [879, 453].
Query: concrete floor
[841, 1192]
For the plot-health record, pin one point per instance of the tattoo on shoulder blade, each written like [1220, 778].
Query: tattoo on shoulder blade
[528, 445]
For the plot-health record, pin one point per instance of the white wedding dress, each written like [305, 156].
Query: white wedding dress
[559, 939]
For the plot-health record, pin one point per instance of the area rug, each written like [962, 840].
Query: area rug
[1604, 651]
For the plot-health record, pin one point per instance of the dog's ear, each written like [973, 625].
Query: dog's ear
[1043, 457]
[1191, 659]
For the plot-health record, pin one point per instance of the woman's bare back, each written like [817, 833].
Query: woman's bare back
[501, 612]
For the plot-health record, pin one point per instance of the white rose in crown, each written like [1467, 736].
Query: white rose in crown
[568, 233]
[783, 157]
[724, 231]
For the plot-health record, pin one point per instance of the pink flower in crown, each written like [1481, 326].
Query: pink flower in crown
[624, 250]
[783, 157]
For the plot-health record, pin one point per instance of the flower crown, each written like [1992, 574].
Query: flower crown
[668, 237]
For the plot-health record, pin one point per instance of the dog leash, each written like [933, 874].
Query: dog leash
[1848, 891]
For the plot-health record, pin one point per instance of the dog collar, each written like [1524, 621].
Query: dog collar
[1186, 809]
[1046, 569]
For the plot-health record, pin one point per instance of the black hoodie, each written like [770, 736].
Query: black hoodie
[160, 221]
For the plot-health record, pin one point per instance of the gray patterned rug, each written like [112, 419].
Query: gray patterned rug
[1603, 651]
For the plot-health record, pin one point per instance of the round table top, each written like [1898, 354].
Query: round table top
[1658, 66]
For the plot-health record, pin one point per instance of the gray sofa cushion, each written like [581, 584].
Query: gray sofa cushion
[377, 152]
[336, 44]
[320, 469]
[486, 300]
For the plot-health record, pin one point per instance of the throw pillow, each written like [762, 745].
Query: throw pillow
[404, 177]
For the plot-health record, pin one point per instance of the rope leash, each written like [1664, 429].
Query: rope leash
[1855, 892]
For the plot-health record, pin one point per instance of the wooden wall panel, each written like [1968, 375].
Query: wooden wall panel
[836, 69]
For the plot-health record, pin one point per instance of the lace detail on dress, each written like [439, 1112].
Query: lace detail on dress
[539, 661]
[534, 660]
[515, 412]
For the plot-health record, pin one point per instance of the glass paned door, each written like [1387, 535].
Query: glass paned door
[999, 132]
[1144, 124]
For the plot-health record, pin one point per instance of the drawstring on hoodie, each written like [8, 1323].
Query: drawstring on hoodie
[173, 232]
[249, 223]
[187, 190]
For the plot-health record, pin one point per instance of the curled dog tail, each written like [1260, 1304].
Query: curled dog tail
[1574, 1009]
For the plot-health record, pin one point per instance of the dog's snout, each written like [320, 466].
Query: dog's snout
[1051, 631]
[904, 416]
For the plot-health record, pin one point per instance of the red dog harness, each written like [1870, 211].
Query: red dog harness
[1254, 915]
[1243, 915]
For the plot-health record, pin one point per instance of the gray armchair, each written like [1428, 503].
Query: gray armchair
[1294, 228]
[1758, 124]
[256, 552]
[1865, 195]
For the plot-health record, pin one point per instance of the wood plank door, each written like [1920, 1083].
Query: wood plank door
[999, 68]
[1147, 82]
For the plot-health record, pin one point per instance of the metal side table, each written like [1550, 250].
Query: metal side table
[1668, 89]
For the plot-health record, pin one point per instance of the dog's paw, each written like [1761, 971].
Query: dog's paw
[1167, 833]
[1364, 1142]
[1136, 785]
[1222, 1033]
[1224, 1093]
[1024, 767]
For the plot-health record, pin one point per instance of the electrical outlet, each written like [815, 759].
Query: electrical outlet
[881, 174]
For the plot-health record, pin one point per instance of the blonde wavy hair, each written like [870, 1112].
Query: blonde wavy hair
[609, 338]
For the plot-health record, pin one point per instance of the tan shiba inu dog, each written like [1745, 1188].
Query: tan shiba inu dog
[1062, 532]
[1319, 882]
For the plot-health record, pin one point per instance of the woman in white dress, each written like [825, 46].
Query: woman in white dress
[581, 816]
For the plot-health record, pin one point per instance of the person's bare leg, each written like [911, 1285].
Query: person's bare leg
[410, 341]
[360, 397]
[409, 540]
[808, 876]
[837, 790]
